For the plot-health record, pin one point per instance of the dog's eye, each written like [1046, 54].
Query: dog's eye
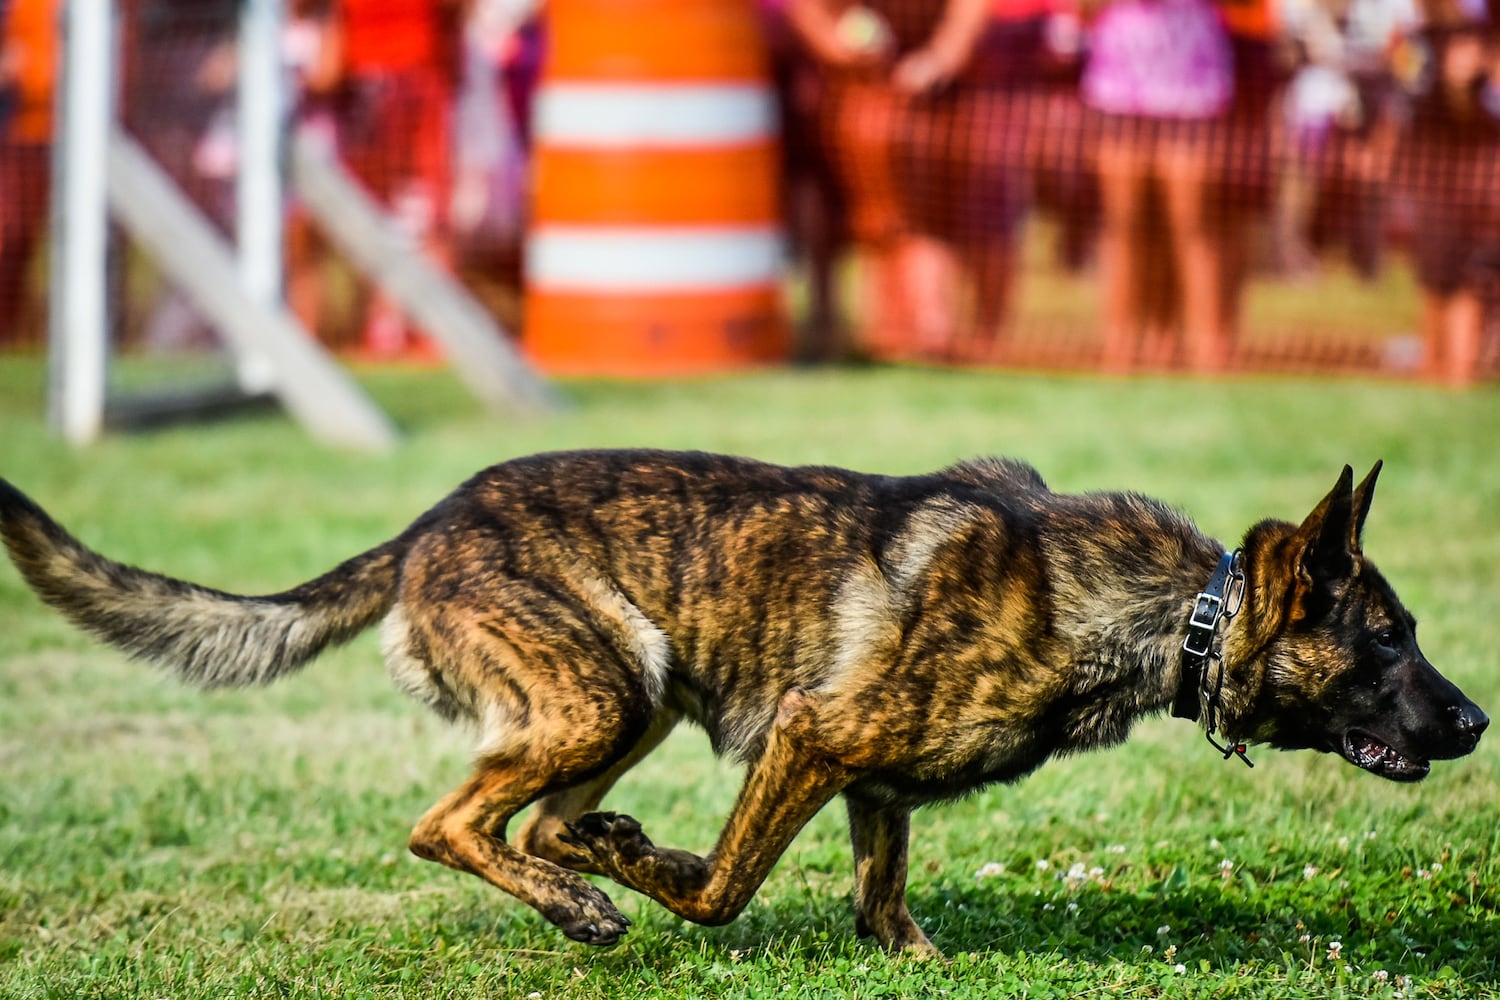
[1386, 639]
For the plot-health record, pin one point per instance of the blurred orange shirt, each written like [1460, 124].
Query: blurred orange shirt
[1021, 10]
[31, 39]
[1257, 19]
[392, 35]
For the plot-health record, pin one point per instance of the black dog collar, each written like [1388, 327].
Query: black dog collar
[1198, 693]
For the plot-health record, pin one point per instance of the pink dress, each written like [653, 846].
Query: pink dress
[1159, 59]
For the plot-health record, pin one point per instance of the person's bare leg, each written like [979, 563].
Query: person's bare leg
[1121, 192]
[1159, 289]
[929, 269]
[1434, 335]
[1463, 335]
[1186, 191]
[885, 316]
[992, 268]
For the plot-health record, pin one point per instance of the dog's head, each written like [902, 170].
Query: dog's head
[1326, 655]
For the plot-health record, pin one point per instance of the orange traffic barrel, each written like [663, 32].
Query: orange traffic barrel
[655, 245]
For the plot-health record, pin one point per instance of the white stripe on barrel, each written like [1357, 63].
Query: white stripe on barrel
[653, 258]
[613, 115]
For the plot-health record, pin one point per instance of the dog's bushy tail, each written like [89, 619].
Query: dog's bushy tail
[206, 637]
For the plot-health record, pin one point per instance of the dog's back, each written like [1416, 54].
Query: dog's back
[709, 584]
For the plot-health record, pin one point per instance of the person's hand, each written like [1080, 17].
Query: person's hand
[861, 38]
[924, 70]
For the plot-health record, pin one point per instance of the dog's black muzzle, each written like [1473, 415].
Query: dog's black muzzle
[1432, 720]
[1469, 723]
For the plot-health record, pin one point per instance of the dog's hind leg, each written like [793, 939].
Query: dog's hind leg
[466, 832]
[559, 709]
[790, 781]
[539, 835]
[880, 838]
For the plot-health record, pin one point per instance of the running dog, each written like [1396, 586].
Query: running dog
[894, 640]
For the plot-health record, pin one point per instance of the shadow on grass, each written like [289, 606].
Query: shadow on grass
[1204, 923]
[1222, 928]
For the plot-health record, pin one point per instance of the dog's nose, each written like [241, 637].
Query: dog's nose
[1472, 722]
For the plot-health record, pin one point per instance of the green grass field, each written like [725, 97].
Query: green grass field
[160, 842]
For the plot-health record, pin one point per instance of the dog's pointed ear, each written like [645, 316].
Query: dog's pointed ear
[1363, 494]
[1324, 546]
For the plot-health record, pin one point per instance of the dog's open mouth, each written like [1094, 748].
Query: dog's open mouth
[1378, 757]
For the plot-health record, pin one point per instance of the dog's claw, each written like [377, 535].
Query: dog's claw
[593, 934]
[591, 826]
[591, 918]
[599, 836]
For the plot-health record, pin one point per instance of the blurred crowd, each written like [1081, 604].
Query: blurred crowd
[425, 101]
[1178, 143]
[1176, 146]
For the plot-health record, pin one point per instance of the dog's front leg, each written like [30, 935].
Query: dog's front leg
[792, 779]
[880, 837]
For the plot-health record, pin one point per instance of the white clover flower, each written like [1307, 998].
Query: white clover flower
[1072, 907]
[1423, 873]
[990, 869]
[1380, 976]
[1437, 866]
[1179, 968]
[1096, 872]
[1335, 950]
[1115, 849]
[1309, 871]
[1042, 864]
[1164, 930]
[1170, 953]
[1305, 939]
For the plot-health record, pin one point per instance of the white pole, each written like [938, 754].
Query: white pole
[78, 299]
[261, 116]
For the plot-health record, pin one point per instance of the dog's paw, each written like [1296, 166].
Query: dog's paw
[603, 839]
[591, 918]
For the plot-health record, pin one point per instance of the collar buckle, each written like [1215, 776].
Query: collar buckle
[1198, 694]
[1207, 610]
